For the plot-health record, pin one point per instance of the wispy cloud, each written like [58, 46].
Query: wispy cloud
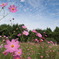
[35, 13]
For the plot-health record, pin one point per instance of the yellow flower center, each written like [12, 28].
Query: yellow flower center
[13, 8]
[12, 46]
[18, 52]
[3, 4]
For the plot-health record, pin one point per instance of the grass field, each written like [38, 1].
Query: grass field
[35, 51]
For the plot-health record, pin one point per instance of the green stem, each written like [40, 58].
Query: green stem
[3, 17]
[10, 56]
[21, 36]
[1, 10]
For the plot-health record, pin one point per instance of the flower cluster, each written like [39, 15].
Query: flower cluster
[12, 8]
[13, 48]
[24, 32]
[39, 35]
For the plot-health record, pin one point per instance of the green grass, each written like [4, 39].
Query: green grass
[36, 51]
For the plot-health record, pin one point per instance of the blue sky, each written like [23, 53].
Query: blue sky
[33, 13]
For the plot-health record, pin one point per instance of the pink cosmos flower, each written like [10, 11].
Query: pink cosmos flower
[0, 36]
[7, 37]
[3, 4]
[45, 35]
[43, 38]
[51, 42]
[36, 40]
[29, 58]
[0, 46]
[48, 42]
[41, 56]
[5, 52]
[39, 35]
[34, 31]
[12, 46]
[24, 27]
[19, 34]
[40, 40]
[25, 33]
[18, 52]
[4, 36]
[13, 8]
[16, 57]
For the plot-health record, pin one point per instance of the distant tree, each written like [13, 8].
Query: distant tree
[56, 34]
[49, 32]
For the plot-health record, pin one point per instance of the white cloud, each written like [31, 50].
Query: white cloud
[32, 21]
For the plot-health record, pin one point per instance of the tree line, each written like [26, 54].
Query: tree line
[12, 31]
